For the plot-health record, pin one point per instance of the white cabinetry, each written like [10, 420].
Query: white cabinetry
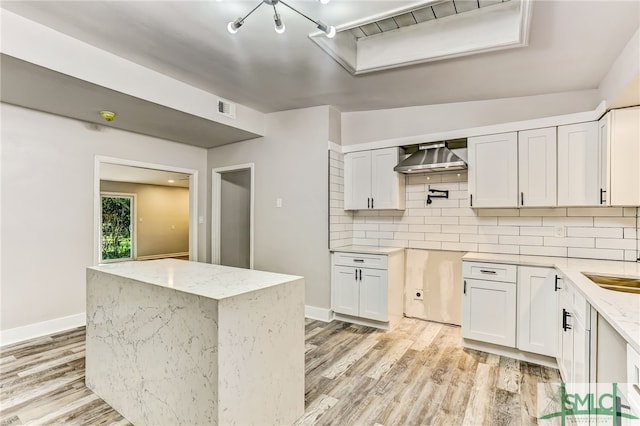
[578, 165]
[493, 170]
[370, 181]
[537, 307]
[368, 287]
[537, 167]
[619, 136]
[489, 303]
[574, 334]
[633, 379]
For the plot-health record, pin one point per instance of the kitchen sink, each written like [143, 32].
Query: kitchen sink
[623, 284]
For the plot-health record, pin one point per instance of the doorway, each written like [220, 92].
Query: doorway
[151, 182]
[232, 216]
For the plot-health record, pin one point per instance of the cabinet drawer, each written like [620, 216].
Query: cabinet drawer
[490, 271]
[363, 260]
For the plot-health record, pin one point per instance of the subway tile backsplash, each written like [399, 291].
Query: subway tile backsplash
[449, 224]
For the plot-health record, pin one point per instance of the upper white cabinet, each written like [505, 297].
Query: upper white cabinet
[578, 165]
[371, 183]
[619, 138]
[493, 170]
[537, 167]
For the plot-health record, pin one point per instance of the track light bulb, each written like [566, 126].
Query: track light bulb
[279, 24]
[330, 31]
[233, 26]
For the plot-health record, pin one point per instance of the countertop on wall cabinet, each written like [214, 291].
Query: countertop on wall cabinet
[621, 310]
[368, 250]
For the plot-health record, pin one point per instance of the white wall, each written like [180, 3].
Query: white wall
[291, 163]
[619, 87]
[47, 178]
[367, 126]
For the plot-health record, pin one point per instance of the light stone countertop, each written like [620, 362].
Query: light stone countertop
[621, 310]
[368, 250]
[202, 279]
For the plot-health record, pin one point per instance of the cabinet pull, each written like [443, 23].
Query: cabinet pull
[356, 271]
[368, 202]
[522, 198]
[602, 192]
[487, 271]
[360, 274]
[359, 260]
[371, 202]
[464, 291]
[565, 324]
[470, 200]
[556, 288]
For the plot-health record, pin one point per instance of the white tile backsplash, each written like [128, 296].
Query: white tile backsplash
[449, 224]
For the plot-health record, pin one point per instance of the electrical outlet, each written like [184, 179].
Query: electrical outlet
[558, 231]
[418, 294]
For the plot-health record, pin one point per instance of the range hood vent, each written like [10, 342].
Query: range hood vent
[435, 157]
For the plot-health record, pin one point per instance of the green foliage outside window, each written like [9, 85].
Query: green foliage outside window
[116, 228]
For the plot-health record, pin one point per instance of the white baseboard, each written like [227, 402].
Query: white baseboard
[162, 256]
[26, 332]
[320, 314]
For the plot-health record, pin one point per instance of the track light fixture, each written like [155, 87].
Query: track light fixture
[329, 30]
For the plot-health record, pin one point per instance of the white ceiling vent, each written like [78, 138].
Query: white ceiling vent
[429, 30]
[226, 108]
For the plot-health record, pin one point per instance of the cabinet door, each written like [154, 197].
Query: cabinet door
[489, 312]
[537, 167]
[625, 157]
[565, 341]
[493, 170]
[537, 307]
[578, 164]
[581, 349]
[387, 186]
[345, 290]
[604, 180]
[373, 294]
[357, 180]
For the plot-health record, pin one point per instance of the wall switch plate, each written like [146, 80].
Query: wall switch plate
[558, 231]
[418, 294]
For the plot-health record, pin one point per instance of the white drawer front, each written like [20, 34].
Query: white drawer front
[490, 271]
[360, 260]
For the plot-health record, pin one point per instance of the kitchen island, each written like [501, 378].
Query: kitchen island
[177, 342]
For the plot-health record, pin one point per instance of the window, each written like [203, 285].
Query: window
[116, 238]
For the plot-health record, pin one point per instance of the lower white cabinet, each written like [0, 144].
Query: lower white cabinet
[489, 312]
[511, 306]
[574, 335]
[489, 303]
[368, 286]
[537, 307]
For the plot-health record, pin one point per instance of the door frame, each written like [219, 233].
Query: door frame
[216, 189]
[134, 227]
[193, 200]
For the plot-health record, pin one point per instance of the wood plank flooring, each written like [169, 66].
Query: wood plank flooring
[416, 374]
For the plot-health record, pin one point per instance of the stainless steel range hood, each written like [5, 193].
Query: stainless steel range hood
[435, 157]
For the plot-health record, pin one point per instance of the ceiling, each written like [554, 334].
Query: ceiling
[572, 44]
[121, 173]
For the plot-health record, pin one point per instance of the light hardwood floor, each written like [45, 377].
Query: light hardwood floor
[417, 374]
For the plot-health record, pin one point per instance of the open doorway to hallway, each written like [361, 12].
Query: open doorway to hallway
[144, 211]
[232, 216]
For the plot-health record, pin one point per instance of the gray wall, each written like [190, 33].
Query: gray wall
[235, 213]
[291, 163]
